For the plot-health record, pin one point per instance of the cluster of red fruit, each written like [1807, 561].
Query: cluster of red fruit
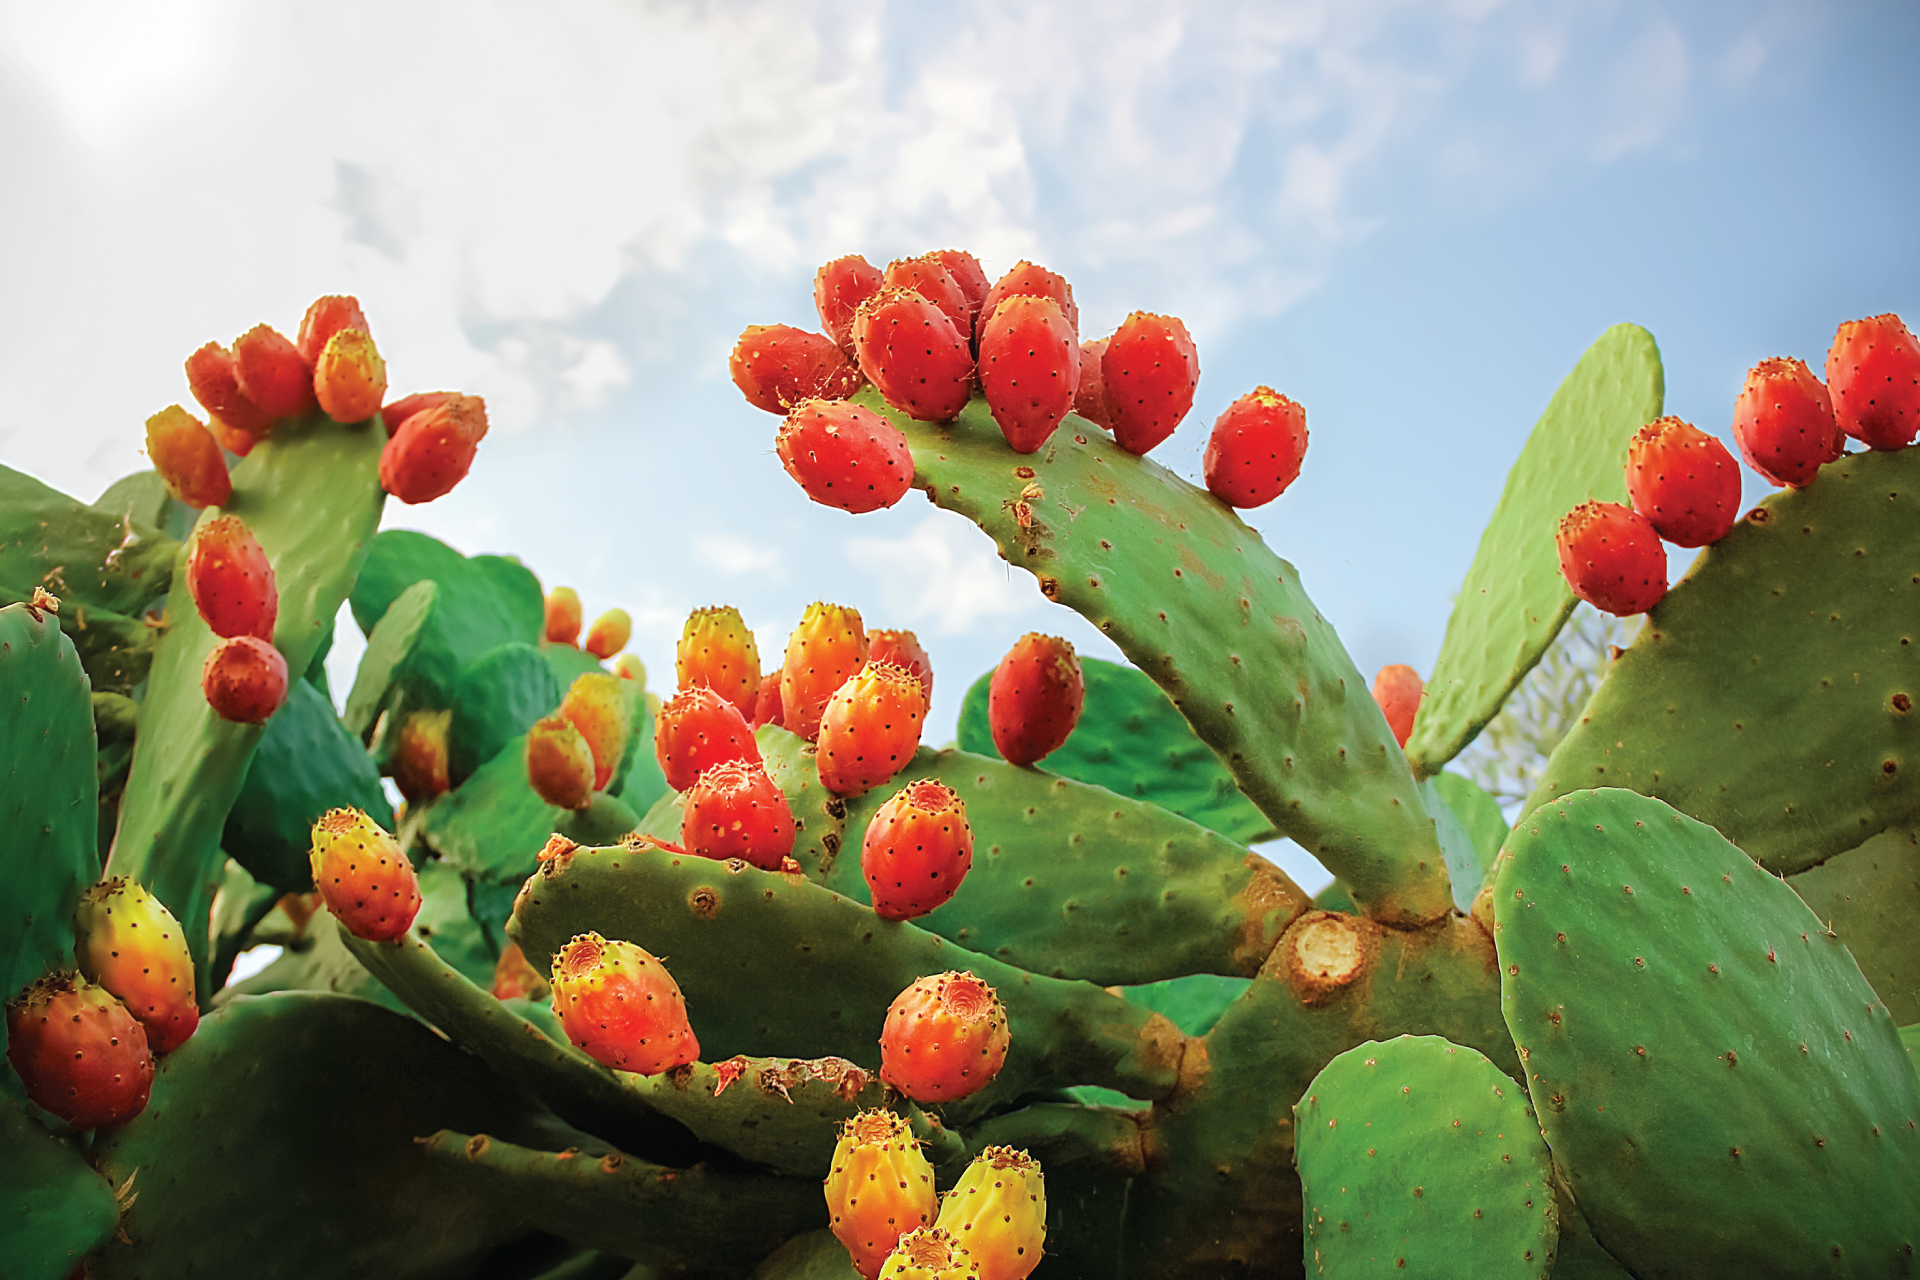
[927, 331]
[1685, 486]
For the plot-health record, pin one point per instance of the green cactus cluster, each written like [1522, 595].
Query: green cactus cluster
[1594, 1036]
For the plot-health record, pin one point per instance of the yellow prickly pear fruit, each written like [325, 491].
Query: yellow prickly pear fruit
[879, 1187]
[930, 1253]
[998, 1210]
[420, 762]
[562, 624]
[716, 650]
[609, 633]
[629, 667]
[560, 763]
[596, 704]
[823, 652]
[129, 943]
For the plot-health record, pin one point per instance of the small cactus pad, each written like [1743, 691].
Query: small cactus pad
[1870, 896]
[54, 1210]
[1418, 1156]
[1706, 1060]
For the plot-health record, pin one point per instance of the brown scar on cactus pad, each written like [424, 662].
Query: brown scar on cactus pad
[1324, 954]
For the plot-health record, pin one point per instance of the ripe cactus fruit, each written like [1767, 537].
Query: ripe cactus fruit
[879, 1187]
[188, 458]
[1029, 281]
[902, 649]
[870, 728]
[917, 850]
[79, 1052]
[697, 729]
[211, 378]
[563, 616]
[1683, 481]
[271, 372]
[326, 317]
[420, 762]
[559, 763]
[1873, 373]
[515, 978]
[928, 1254]
[433, 449]
[945, 1037]
[1256, 449]
[1783, 423]
[913, 354]
[838, 290]
[596, 704]
[1029, 369]
[350, 378]
[766, 704]
[395, 412]
[776, 366]
[130, 944]
[823, 652]
[966, 272]
[629, 667]
[619, 1005]
[734, 810]
[1151, 369]
[1612, 558]
[1397, 689]
[362, 876]
[231, 579]
[609, 633]
[1034, 698]
[718, 650]
[845, 456]
[997, 1212]
[928, 276]
[1090, 399]
[244, 680]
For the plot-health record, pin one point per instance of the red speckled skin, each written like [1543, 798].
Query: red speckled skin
[272, 373]
[1030, 281]
[697, 729]
[1029, 369]
[80, 1053]
[913, 355]
[845, 456]
[1397, 689]
[766, 703]
[967, 273]
[777, 366]
[824, 651]
[618, 1003]
[362, 876]
[129, 943]
[244, 680]
[231, 580]
[1783, 423]
[1256, 449]
[928, 276]
[870, 729]
[917, 850]
[1873, 374]
[945, 1037]
[1612, 558]
[395, 412]
[1151, 369]
[902, 649]
[188, 458]
[734, 810]
[718, 650]
[326, 317]
[838, 290]
[1090, 399]
[432, 450]
[211, 378]
[1034, 698]
[1684, 482]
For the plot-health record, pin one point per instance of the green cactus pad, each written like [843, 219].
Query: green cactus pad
[317, 961]
[1074, 881]
[1514, 599]
[1133, 741]
[1420, 1157]
[1725, 1093]
[487, 600]
[1870, 896]
[496, 698]
[1477, 811]
[1467, 860]
[1198, 602]
[402, 654]
[493, 826]
[566, 661]
[143, 498]
[814, 1255]
[54, 1210]
[1193, 1003]
[776, 965]
[1772, 694]
[445, 922]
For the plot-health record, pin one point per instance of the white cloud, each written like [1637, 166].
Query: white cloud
[944, 573]
[735, 555]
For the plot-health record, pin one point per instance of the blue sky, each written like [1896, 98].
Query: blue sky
[1410, 217]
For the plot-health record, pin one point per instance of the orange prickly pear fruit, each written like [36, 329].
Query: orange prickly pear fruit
[272, 373]
[1029, 369]
[350, 378]
[1035, 697]
[560, 763]
[244, 680]
[777, 366]
[420, 766]
[514, 977]
[870, 729]
[928, 276]
[823, 652]
[945, 1037]
[966, 272]
[928, 1254]
[80, 1053]
[363, 877]
[879, 1187]
[1090, 399]
[629, 667]
[718, 651]
[596, 705]
[902, 649]
[395, 413]
[231, 580]
[1783, 423]
[1397, 689]
[431, 452]
[563, 616]
[697, 729]
[838, 290]
[1256, 449]
[998, 1212]
[917, 849]
[129, 943]
[734, 810]
[211, 378]
[766, 707]
[1150, 370]
[609, 633]
[914, 355]
[1029, 281]
[1684, 482]
[845, 456]
[1612, 558]
[1873, 375]
[188, 458]
[619, 1004]
[326, 317]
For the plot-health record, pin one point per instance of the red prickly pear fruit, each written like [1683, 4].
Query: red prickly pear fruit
[563, 616]
[609, 633]
[998, 1211]
[559, 763]
[188, 458]
[945, 1037]
[917, 849]
[350, 378]
[902, 649]
[734, 810]
[1029, 369]
[1256, 449]
[823, 652]
[1873, 374]
[420, 764]
[717, 651]
[362, 876]
[396, 412]
[777, 366]
[326, 317]
[231, 579]
[130, 944]
[929, 1253]
[244, 680]
[596, 704]
[928, 276]
[515, 978]
[1397, 689]
[1034, 698]
[79, 1052]
[1783, 423]
[870, 729]
[845, 456]
[211, 378]
[238, 443]
[1151, 369]
[913, 354]
[838, 290]
[766, 705]
[1612, 558]
[620, 1006]
[432, 450]
[1090, 398]
[879, 1186]
[1683, 481]
[629, 667]
[1027, 280]
[966, 272]
[272, 373]
[697, 729]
